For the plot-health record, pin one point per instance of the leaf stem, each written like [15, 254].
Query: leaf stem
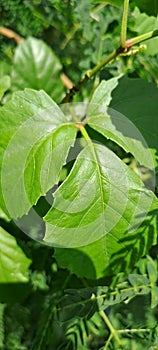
[139, 39]
[124, 24]
[110, 326]
[84, 133]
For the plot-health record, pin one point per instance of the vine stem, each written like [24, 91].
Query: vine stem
[124, 24]
[110, 326]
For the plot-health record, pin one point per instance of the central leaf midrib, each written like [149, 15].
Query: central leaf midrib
[92, 148]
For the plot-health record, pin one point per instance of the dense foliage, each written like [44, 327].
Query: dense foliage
[78, 192]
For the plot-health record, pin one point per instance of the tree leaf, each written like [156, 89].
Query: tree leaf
[116, 252]
[100, 194]
[137, 100]
[130, 129]
[35, 145]
[37, 67]
[151, 8]
[13, 263]
[102, 96]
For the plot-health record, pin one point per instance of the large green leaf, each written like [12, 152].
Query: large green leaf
[116, 252]
[37, 67]
[13, 262]
[35, 141]
[101, 196]
[129, 133]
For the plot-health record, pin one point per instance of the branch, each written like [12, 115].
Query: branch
[128, 44]
[11, 34]
[76, 88]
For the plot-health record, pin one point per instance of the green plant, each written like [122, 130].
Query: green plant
[90, 254]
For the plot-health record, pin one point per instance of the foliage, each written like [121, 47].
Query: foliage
[79, 178]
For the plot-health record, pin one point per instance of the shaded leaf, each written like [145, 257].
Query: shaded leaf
[124, 250]
[37, 67]
[137, 100]
[148, 6]
[120, 128]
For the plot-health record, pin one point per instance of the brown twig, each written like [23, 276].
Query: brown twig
[9, 33]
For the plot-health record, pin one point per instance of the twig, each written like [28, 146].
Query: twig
[76, 88]
[9, 33]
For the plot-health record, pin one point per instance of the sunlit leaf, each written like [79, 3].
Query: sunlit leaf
[13, 262]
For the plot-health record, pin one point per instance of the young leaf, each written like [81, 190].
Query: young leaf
[37, 67]
[14, 264]
[34, 147]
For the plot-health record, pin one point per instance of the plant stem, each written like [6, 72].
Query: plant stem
[124, 24]
[139, 39]
[110, 326]
[69, 96]
[128, 44]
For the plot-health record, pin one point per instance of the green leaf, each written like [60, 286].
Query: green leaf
[151, 8]
[130, 129]
[35, 145]
[137, 100]
[80, 303]
[152, 270]
[117, 252]
[143, 24]
[148, 6]
[102, 96]
[4, 85]
[37, 67]
[100, 194]
[154, 296]
[13, 264]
